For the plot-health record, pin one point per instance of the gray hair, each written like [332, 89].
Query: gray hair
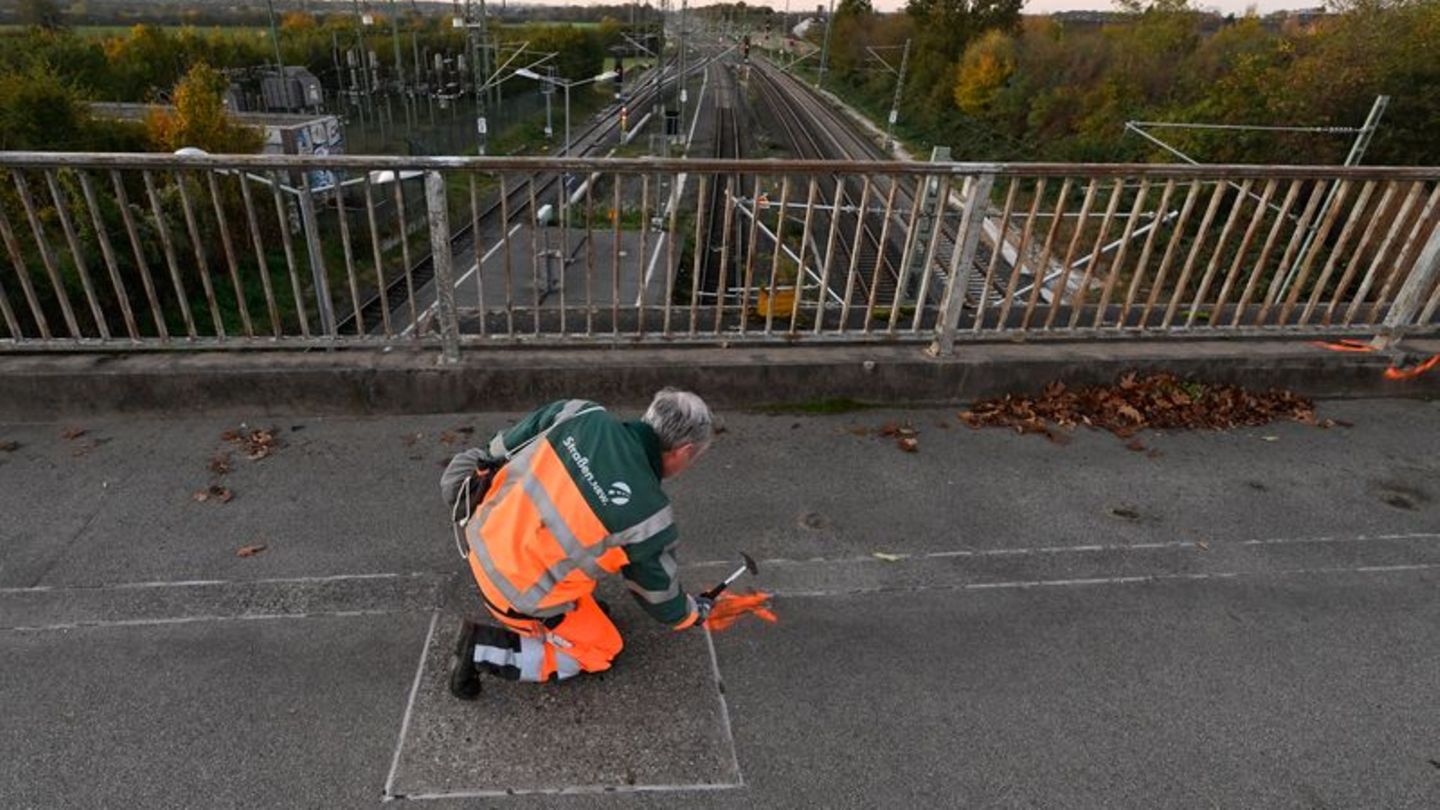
[680, 417]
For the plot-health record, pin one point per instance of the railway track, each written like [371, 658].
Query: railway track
[398, 292]
[837, 139]
[879, 254]
[723, 252]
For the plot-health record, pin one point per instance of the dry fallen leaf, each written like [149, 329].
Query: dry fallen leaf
[908, 444]
[9, 446]
[1158, 401]
[213, 492]
[446, 437]
[1202, 545]
[220, 463]
[250, 551]
[74, 433]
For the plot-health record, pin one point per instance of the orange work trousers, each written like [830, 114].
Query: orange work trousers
[582, 640]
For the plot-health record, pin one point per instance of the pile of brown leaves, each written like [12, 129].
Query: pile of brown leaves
[255, 444]
[1159, 401]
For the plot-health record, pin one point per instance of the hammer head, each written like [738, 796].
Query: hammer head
[750, 564]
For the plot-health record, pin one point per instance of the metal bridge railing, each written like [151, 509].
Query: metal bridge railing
[255, 252]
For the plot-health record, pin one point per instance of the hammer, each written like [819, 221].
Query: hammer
[749, 566]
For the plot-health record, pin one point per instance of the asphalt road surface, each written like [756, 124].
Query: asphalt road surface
[1238, 619]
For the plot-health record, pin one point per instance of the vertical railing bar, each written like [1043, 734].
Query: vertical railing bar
[259, 245]
[1353, 266]
[702, 249]
[508, 259]
[775, 257]
[315, 250]
[1020, 254]
[1216, 255]
[282, 218]
[198, 248]
[1233, 274]
[535, 256]
[874, 292]
[351, 276]
[380, 282]
[1417, 189]
[228, 245]
[590, 257]
[615, 256]
[671, 268]
[996, 251]
[1143, 263]
[834, 232]
[403, 222]
[1118, 265]
[562, 216]
[107, 251]
[47, 254]
[437, 216]
[902, 275]
[1411, 309]
[1429, 312]
[475, 245]
[1357, 211]
[941, 206]
[852, 271]
[795, 301]
[1293, 245]
[171, 256]
[11, 323]
[1291, 195]
[1181, 284]
[750, 252]
[1317, 245]
[962, 261]
[1062, 284]
[1175, 238]
[77, 252]
[1082, 293]
[729, 226]
[1402, 266]
[644, 254]
[1042, 266]
[12, 246]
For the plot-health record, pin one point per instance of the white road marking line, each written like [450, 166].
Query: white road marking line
[1093, 581]
[244, 617]
[724, 707]
[572, 790]
[1085, 549]
[209, 583]
[475, 266]
[388, 793]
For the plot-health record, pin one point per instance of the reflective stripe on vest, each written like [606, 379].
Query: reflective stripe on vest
[523, 471]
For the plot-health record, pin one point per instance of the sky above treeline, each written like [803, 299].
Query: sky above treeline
[1032, 7]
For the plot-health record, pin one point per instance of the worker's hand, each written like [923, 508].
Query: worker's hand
[703, 606]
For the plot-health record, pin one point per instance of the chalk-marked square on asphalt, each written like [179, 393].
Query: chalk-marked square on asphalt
[655, 722]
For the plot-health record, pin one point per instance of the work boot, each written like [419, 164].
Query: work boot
[464, 676]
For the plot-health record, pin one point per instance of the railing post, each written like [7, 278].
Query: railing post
[318, 274]
[962, 262]
[439, 216]
[1408, 302]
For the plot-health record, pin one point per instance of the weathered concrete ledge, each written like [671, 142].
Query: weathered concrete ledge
[48, 387]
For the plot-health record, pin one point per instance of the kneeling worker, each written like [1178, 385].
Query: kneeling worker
[563, 498]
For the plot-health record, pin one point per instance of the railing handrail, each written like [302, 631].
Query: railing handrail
[1179, 171]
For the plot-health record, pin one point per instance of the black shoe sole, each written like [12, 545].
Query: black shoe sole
[464, 675]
